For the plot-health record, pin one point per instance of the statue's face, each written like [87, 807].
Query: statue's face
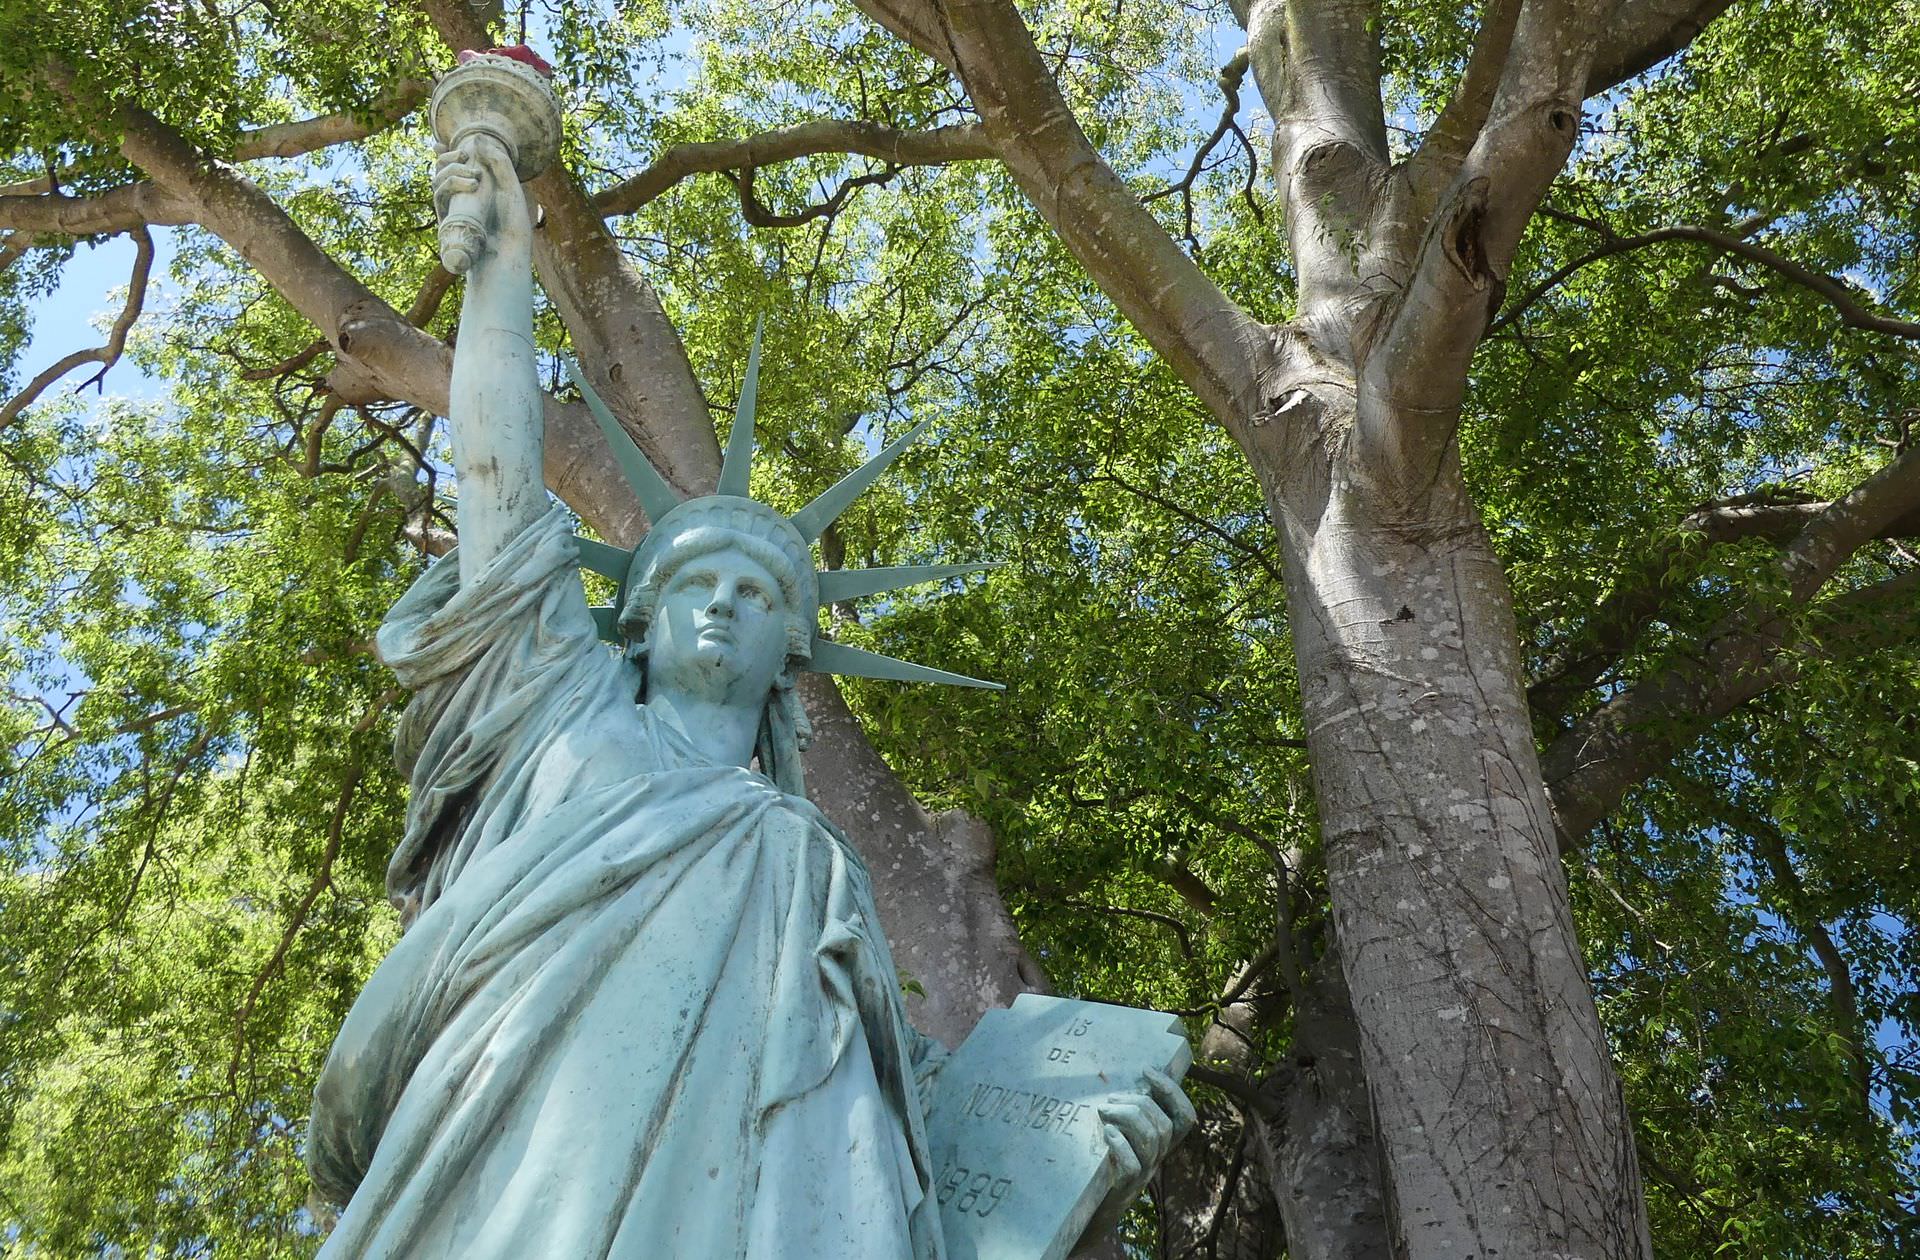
[719, 630]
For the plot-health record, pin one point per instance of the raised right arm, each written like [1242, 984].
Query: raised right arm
[495, 403]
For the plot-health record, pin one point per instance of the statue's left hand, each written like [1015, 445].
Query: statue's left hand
[1139, 1129]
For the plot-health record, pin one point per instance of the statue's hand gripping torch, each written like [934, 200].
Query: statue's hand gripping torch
[496, 100]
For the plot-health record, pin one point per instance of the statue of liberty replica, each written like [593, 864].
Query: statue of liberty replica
[642, 1007]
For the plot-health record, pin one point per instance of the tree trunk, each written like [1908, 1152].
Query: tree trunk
[1292, 1167]
[933, 876]
[1503, 1129]
[1319, 1149]
[1214, 1195]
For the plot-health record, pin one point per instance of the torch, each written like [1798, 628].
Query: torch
[501, 97]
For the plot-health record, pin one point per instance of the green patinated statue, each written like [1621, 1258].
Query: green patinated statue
[642, 1007]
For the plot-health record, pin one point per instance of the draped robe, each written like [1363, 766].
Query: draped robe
[642, 1007]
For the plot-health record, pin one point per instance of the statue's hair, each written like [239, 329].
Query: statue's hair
[784, 731]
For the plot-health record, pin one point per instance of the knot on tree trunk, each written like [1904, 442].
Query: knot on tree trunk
[1463, 238]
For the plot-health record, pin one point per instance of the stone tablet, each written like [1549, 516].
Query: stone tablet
[1019, 1155]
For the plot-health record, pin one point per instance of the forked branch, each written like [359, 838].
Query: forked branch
[1595, 763]
[756, 212]
[1317, 65]
[1452, 135]
[105, 355]
[381, 355]
[37, 207]
[1415, 374]
[295, 139]
[1229, 79]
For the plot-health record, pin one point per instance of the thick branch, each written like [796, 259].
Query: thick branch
[33, 206]
[1191, 888]
[1617, 623]
[1451, 137]
[915, 22]
[1606, 753]
[1213, 345]
[1317, 64]
[960, 143]
[119, 210]
[107, 355]
[284, 140]
[1415, 376]
[1645, 33]
[1890, 495]
[1595, 764]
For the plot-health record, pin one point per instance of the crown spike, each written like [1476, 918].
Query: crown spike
[813, 519]
[837, 658]
[606, 622]
[839, 584]
[736, 468]
[605, 560]
[657, 498]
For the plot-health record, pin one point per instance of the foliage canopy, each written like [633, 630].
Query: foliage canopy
[198, 800]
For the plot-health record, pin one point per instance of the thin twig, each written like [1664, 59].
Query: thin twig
[1229, 79]
[1187, 514]
[756, 212]
[1166, 920]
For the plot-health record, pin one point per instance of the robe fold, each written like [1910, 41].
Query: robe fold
[642, 1007]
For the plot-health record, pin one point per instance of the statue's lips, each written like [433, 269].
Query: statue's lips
[715, 634]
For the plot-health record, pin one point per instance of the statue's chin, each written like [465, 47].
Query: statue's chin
[714, 670]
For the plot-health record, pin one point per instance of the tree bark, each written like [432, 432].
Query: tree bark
[1292, 1165]
[1502, 1128]
[933, 876]
[1320, 1152]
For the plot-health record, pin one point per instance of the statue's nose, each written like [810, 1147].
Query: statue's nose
[721, 605]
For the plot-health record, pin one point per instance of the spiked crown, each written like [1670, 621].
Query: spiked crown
[731, 514]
